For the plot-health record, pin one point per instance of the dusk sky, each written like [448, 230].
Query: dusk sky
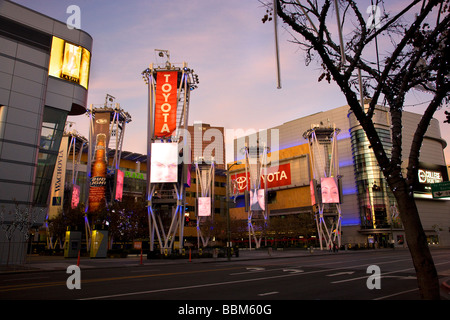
[227, 45]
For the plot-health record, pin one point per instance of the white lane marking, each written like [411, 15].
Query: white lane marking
[268, 293]
[340, 274]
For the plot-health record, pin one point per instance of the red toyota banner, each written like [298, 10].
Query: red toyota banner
[166, 103]
[276, 177]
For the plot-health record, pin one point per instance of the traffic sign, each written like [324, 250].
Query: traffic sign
[440, 190]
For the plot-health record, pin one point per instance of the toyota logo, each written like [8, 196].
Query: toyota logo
[242, 182]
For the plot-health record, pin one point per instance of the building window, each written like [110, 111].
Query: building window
[375, 199]
[51, 134]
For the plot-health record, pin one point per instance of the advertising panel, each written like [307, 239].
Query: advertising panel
[428, 174]
[69, 62]
[58, 180]
[118, 186]
[330, 191]
[312, 190]
[276, 177]
[76, 190]
[166, 103]
[204, 206]
[97, 189]
[257, 200]
[164, 165]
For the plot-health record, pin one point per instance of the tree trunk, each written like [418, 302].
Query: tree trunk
[427, 278]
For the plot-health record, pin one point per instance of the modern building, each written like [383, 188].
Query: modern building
[368, 209]
[44, 77]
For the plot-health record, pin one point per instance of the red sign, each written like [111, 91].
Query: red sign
[276, 177]
[166, 103]
[118, 193]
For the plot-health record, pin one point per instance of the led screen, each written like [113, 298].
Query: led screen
[69, 62]
[75, 196]
[312, 192]
[257, 200]
[330, 191]
[119, 185]
[204, 206]
[164, 160]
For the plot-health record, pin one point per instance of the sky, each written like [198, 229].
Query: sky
[226, 44]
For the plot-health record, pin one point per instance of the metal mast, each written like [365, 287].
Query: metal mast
[205, 174]
[255, 170]
[322, 142]
[166, 201]
[108, 120]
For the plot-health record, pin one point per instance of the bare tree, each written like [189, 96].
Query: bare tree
[418, 57]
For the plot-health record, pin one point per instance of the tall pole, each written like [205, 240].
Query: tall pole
[276, 44]
[228, 215]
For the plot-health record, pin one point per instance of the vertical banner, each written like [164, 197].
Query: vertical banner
[76, 191]
[166, 103]
[118, 187]
[58, 180]
[97, 189]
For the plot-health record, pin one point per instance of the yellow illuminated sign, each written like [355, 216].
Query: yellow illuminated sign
[69, 62]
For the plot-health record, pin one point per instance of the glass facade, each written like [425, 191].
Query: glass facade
[377, 205]
[51, 133]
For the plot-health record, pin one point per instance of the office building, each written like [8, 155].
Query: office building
[44, 77]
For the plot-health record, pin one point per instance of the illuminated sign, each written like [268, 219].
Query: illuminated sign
[330, 191]
[428, 176]
[312, 190]
[257, 200]
[276, 177]
[75, 196]
[69, 62]
[118, 189]
[164, 166]
[204, 206]
[166, 103]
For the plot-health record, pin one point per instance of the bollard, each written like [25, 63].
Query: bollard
[78, 260]
[141, 256]
[189, 254]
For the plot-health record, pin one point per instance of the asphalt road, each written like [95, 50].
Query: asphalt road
[252, 282]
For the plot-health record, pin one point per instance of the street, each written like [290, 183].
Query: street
[341, 276]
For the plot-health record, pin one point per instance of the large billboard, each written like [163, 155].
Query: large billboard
[164, 165]
[97, 189]
[166, 103]
[69, 62]
[278, 176]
